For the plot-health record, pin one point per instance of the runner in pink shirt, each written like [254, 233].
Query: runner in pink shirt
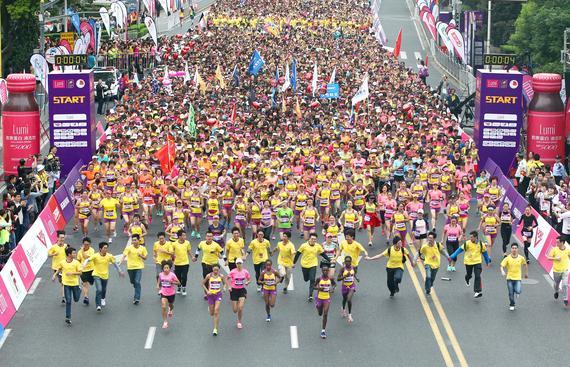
[237, 280]
[435, 197]
[452, 234]
[165, 285]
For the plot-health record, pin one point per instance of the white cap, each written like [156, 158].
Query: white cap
[239, 260]
[40, 167]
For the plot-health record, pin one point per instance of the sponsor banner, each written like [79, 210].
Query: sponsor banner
[55, 210]
[65, 203]
[13, 283]
[35, 244]
[498, 116]
[50, 224]
[23, 266]
[72, 177]
[72, 117]
[333, 91]
[7, 309]
[69, 37]
[544, 237]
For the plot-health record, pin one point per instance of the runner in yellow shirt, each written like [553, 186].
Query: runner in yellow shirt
[559, 256]
[234, 248]
[430, 254]
[211, 253]
[310, 251]
[70, 270]
[162, 250]
[85, 253]
[57, 254]
[513, 263]
[101, 262]
[109, 205]
[259, 249]
[352, 248]
[135, 255]
[472, 260]
[182, 251]
[286, 250]
[396, 255]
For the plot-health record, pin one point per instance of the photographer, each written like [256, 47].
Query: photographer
[100, 89]
[53, 169]
[5, 229]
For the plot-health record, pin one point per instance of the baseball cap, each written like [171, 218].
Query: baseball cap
[239, 260]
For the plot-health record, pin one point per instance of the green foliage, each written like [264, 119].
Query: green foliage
[539, 30]
[20, 31]
[503, 16]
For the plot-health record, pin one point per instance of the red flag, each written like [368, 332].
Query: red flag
[426, 60]
[398, 45]
[166, 155]
[234, 114]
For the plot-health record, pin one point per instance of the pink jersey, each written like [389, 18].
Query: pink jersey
[238, 278]
[167, 283]
[435, 197]
[453, 233]
[412, 209]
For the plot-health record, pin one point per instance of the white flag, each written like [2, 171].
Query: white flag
[106, 21]
[315, 77]
[186, 73]
[151, 29]
[333, 75]
[362, 93]
[287, 80]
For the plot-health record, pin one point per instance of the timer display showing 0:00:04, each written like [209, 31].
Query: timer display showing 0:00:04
[69, 60]
[499, 60]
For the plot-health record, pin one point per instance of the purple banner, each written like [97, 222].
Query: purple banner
[72, 117]
[72, 177]
[65, 202]
[511, 195]
[498, 116]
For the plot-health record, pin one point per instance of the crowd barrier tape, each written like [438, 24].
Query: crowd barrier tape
[544, 238]
[28, 257]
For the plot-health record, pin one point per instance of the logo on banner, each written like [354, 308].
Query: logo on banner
[59, 84]
[42, 238]
[3, 303]
[514, 84]
[80, 83]
[492, 83]
[538, 237]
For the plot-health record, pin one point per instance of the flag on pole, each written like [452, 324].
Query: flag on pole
[166, 155]
[297, 108]
[362, 92]
[186, 73]
[199, 82]
[294, 75]
[191, 121]
[287, 82]
[220, 77]
[398, 45]
[235, 76]
[333, 76]
[234, 113]
[256, 63]
[315, 77]
[277, 73]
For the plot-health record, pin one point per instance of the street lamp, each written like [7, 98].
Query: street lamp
[489, 10]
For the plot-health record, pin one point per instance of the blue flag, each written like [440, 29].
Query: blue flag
[256, 63]
[277, 73]
[235, 76]
[75, 20]
[294, 75]
[274, 98]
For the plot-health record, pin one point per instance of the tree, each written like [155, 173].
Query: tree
[20, 32]
[503, 18]
[539, 31]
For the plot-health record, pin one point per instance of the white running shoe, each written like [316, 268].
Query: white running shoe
[103, 302]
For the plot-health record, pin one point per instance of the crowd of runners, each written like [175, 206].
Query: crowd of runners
[267, 173]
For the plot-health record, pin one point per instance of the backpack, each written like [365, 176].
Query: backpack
[403, 254]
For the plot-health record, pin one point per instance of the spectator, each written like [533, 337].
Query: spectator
[559, 171]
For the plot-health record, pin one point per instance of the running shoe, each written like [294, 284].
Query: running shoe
[273, 237]
[103, 302]
[110, 240]
[323, 334]
[284, 290]
[184, 291]
[468, 282]
[170, 314]
[555, 295]
[453, 269]
[62, 300]
[397, 288]
[215, 332]
[178, 290]
[343, 312]
[391, 294]
[136, 302]
[478, 295]
[310, 299]
[349, 318]
[268, 319]
[369, 244]
[239, 325]
[512, 308]
[198, 235]
[193, 234]
[566, 303]
[86, 301]
[165, 325]
[68, 321]
[448, 268]
[99, 309]
[258, 288]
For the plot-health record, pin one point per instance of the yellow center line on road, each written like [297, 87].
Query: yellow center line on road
[444, 320]
[431, 319]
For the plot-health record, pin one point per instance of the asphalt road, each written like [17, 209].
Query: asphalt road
[450, 328]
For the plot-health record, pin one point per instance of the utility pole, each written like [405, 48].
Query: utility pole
[565, 57]
[41, 18]
[489, 10]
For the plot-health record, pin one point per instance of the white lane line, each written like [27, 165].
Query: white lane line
[549, 280]
[417, 55]
[34, 285]
[7, 332]
[291, 286]
[403, 55]
[150, 337]
[294, 338]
